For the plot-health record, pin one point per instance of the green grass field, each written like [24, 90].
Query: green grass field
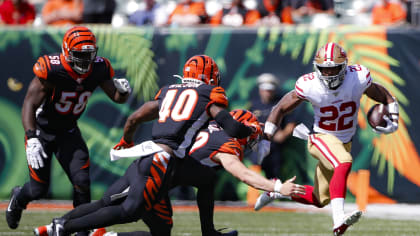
[247, 223]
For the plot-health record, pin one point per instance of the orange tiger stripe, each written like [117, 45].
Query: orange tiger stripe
[40, 68]
[86, 165]
[35, 176]
[167, 218]
[148, 204]
[155, 175]
[158, 93]
[109, 66]
[161, 207]
[217, 95]
[159, 165]
[47, 62]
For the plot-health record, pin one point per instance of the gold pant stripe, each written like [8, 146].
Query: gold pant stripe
[326, 152]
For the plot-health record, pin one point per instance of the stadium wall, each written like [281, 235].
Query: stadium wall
[385, 168]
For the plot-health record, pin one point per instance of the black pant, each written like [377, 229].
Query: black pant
[72, 153]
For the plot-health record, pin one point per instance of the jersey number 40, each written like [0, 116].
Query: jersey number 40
[178, 108]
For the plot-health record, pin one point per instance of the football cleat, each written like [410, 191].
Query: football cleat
[14, 211]
[231, 233]
[347, 222]
[58, 227]
[98, 232]
[264, 199]
[45, 230]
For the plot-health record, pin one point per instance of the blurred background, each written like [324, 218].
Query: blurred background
[149, 41]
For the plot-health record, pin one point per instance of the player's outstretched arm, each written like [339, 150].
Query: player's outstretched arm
[232, 127]
[233, 165]
[147, 112]
[286, 104]
[117, 89]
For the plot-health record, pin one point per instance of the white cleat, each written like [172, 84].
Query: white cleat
[264, 199]
[348, 221]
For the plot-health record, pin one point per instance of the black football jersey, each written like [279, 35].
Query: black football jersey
[62, 108]
[183, 112]
[211, 141]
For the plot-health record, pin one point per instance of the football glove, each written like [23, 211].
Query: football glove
[391, 126]
[391, 121]
[123, 144]
[122, 85]
[35, 153]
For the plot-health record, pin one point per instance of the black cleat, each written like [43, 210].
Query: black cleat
[58, 227]
[14, 211]
[231, 233]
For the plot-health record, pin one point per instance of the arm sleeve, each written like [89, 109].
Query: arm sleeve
[232, 127]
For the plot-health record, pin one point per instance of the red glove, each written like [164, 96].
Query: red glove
[123, 144]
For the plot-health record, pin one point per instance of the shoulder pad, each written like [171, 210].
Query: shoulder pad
[303, 83]
[42, 67]
[218, 96]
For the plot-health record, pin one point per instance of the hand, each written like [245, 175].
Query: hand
[263, 150]
[123, 144]
[122, 85]
[289, 188]
[35, 153]
[255, 126]
[391, 126]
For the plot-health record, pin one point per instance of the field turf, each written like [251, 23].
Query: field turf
[246, 222]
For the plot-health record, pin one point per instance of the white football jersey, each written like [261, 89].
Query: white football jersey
[335, 111]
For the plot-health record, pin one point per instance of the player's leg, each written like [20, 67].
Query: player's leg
[34, 189]
[190, 172]
[159, 219]
[113, 214]
[335, 160]
[73, 156]
[146, 178]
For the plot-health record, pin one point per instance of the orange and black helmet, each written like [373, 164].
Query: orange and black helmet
[246, 117]
[201, 68]
[79, 48]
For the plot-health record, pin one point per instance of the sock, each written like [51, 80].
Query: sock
[337, 207]
[307, 198]
[339, 180]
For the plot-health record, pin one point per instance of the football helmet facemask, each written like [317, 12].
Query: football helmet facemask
[79, 48]
[246, 117]
[201, 69]
[330, 64]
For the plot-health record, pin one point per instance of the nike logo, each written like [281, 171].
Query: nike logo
[10, 203]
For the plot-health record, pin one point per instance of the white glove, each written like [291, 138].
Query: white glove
[122, 85]
[35, 153]
[263, 150]
[391, 126]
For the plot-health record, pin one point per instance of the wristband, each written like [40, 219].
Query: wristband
[270, 128]
[277, 186]
[30, 134]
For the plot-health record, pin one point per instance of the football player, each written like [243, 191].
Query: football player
[334, 90]
[180, 110]
[55, 100]
[212, 149]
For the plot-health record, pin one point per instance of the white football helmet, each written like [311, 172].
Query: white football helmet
[330, 64]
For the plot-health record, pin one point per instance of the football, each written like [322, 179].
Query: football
[375, 115]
